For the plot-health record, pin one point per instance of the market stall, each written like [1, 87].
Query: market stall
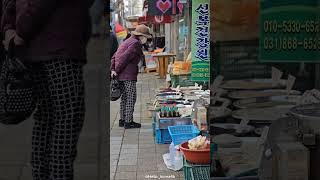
[240, 122]
[180, 119]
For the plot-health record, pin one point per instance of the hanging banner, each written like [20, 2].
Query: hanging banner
[164, 7]
[200, 42]
[289, 31]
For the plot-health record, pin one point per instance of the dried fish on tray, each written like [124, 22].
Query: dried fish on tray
[229, 126]
[227, 141]
[168, 96]
[267, 102]
[218, 112]
[310, 111]
[252, 84]
[244, 94]
[262, 114]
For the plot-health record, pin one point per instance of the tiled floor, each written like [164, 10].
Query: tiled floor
[134, 154]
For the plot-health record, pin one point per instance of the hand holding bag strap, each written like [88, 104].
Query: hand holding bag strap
[11, 49]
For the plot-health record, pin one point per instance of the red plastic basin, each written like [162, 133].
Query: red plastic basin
[196, 156]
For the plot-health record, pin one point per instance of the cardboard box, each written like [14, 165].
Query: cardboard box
[291, 161]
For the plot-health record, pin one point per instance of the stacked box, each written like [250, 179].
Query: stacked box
[195, 172]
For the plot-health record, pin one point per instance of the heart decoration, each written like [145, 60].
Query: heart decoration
[164, 6]
[180, 7]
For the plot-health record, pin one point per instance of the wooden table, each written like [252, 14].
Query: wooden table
[163, 62]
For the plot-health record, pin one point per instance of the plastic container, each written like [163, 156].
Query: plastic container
[195, 171]
[176, 159]
[154, 129]
[182, 133]
[163, 136]
[196, 156]
[164, 123]
[172, 152]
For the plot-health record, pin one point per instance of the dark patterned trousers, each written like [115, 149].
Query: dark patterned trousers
[58, 119]
[128, 99]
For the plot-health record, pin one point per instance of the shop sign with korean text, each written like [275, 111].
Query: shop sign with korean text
[289, 31]
[200, 43]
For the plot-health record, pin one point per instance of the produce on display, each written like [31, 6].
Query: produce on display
[198, 143]
[310, 97]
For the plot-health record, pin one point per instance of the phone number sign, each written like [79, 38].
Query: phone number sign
[289, 31]
[200, 43]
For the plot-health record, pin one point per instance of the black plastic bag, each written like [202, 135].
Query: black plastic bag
[115, 92]
[17, 101]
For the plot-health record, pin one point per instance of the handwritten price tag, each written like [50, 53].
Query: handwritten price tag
[290, 82]
[264, 135]
[276, 76]
[217, 82]
[244, 122]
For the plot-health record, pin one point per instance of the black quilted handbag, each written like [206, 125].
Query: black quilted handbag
[115, 92]
[17, 101]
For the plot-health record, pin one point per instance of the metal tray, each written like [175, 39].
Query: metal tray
[262, 114]
[172, 121]
[256, 94]
[267, 102]
[252, 84]
[310, 111]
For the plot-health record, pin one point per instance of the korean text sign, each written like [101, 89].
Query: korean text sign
[289, 31]
[200, 43]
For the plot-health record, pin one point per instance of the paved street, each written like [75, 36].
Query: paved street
[15, 142]
[134, 154]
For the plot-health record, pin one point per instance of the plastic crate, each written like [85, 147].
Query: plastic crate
[154, 129]
[182, 133]
[163, 136]
[164, 123]
[195, 172]
[251, 174]
[182, 80]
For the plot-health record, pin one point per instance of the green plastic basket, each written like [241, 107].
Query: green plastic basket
[182, 80]
[195, 172]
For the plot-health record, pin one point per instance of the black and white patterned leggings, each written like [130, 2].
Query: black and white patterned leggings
[128, 100]
[58, 120]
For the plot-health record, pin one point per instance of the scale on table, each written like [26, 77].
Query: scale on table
[292, 146]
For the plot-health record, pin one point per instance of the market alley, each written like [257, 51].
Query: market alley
[134, 153]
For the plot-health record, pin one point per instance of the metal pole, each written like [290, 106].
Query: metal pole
[317, 76]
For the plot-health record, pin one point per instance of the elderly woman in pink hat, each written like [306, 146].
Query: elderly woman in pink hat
[124, 67]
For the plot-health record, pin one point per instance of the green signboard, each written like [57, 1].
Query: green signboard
[289, 31]
[200, 42]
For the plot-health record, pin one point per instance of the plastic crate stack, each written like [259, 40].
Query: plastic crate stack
[161, 125]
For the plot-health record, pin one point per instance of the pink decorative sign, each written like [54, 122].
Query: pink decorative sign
[163, 6]
[180, 7]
